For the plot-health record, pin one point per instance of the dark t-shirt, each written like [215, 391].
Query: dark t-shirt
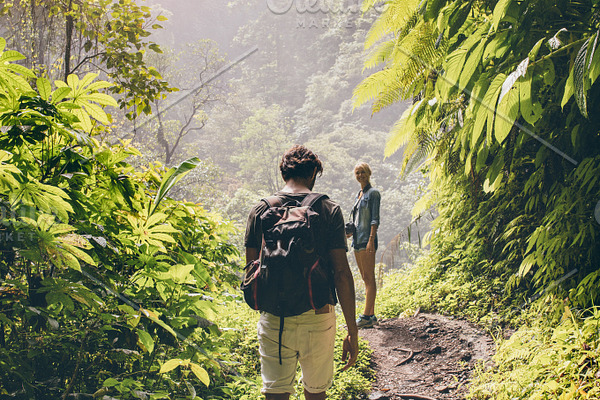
[332, 234]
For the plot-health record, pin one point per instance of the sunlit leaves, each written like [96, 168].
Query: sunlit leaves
[153, 230]
[13, 74]
[84, 95]
[489, 82]
[50, 199]
[76, 221]
[200, 372]
[507, 112]
[56, 243]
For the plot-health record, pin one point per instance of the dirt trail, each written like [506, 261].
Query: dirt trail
[427, 355]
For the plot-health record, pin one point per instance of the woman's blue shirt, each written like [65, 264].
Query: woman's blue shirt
[367, 214]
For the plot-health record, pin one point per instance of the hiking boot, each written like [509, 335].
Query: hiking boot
[364, 321]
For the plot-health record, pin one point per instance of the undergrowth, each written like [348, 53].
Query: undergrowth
[552, 355]
[545, 360]
[431, 288]
[242, 380]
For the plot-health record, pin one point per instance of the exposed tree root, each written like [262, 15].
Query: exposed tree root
[414, 396]
[410, 355]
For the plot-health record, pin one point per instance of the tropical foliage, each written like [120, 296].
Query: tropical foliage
[60, 38]
[107, 286]
[500, 118]
[501, 93]
[541, 363]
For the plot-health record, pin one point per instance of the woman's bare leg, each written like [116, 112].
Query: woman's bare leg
[366, 266]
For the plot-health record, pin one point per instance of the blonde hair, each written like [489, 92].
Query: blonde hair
[364, 166]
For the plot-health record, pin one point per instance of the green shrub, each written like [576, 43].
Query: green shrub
[545, 360]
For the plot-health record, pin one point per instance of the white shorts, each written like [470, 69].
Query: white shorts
[308, 338]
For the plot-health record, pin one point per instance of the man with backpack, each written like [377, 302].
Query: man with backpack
[297, 270]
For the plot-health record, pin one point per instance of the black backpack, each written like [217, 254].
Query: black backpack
[290, 277]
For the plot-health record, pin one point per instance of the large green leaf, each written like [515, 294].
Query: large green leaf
[475, 111]
[44, 88]
[530, 109]
[173, 176]
[200, 373]
[500, 12]
[172, 364]
[455, 62]
[506, 113]
[489, 105]
[497, 47]
[60, 93]
[569, 90]
[581, 79]
[594, 64]
[471, 65]
[145, 341]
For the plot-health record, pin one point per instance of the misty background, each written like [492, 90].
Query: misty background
[289, 79]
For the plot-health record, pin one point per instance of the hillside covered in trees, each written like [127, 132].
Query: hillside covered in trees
[136, 135]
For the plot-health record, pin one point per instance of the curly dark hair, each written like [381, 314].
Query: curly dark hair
[299, 162]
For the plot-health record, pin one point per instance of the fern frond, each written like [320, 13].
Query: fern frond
[411, 23]
[380, 55]
[391, 93]
[397, 14]
[412, 59]
[401, 132]
[425, 146]
[418, 47]
[371, 87]
[407, 155]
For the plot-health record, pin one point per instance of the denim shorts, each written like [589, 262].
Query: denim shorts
[308, 338]
[363, 246]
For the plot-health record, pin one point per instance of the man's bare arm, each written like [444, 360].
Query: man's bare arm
[344, 285]
[251, 254]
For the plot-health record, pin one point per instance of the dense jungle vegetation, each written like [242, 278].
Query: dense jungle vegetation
[504, 119]
[127, 170]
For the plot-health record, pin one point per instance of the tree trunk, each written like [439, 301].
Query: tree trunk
[69, 34]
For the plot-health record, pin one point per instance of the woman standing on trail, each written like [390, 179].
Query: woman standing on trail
[365, 216]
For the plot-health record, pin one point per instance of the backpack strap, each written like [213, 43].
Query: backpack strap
[312, 198]
[272, 201]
